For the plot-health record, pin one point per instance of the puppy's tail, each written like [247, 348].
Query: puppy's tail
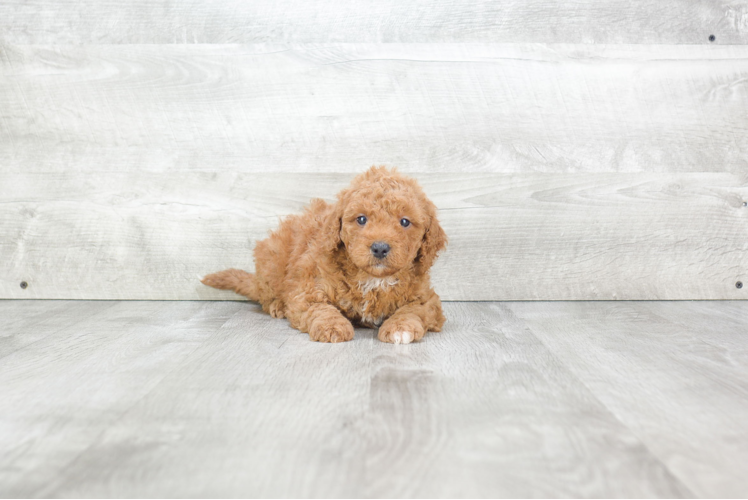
[237, 280]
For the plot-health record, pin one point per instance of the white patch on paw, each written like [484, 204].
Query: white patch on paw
[402, 337]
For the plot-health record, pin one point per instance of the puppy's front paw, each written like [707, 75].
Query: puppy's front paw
[331, 330]
[402, 330]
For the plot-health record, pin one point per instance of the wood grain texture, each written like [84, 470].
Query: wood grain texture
[315, 21]
[512, 237]
[169, 399]
[679, 373]
[80, 375]
[341, 107]
[27, 322]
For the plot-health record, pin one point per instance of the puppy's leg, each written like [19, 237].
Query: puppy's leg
[323, 322]
[412, 321]
[237, 280]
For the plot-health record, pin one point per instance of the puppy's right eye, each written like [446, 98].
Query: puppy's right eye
[361, 219]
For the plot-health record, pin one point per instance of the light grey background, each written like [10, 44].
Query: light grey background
[577, 150]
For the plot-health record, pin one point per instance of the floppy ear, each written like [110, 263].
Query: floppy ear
[331, 226]
[434, 241]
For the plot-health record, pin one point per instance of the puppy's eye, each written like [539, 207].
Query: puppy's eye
[404, 222]
[361, 219]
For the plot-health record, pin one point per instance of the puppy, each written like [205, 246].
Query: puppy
[364, 259]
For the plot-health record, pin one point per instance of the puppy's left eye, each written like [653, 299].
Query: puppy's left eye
[404, 222]
[361, 219]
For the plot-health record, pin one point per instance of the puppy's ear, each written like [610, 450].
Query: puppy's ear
[434, 241]
[331, 226]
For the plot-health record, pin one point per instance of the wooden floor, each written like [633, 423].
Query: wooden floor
[523, 399]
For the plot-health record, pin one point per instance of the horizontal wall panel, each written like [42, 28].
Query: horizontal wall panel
[342, 107]
[512, 236]
[508, 21]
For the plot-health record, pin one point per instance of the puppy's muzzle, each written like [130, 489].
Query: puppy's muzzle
[380, 249]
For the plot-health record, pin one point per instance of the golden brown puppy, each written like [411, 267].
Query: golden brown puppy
[364, 259]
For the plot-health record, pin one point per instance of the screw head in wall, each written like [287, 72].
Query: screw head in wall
[24, 285]
[739, 285]
[712, 38]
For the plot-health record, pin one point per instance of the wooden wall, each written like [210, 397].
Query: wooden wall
[576, 150]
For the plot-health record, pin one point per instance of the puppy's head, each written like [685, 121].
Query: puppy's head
[387, 224]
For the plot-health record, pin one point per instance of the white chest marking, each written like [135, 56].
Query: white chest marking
[376, 283]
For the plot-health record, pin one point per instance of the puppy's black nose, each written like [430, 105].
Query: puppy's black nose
[380, 249]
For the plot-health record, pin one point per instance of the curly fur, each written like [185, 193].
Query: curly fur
[318, 269]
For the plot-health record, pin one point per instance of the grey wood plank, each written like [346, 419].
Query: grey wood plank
[482, 409]
[61, 392]
[681, 388]
[341, 107]
[724, 331]
[234, 21]
[14, 313]
[27, 321]
[528, 236]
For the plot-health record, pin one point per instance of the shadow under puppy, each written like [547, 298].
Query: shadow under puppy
[364, 259]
